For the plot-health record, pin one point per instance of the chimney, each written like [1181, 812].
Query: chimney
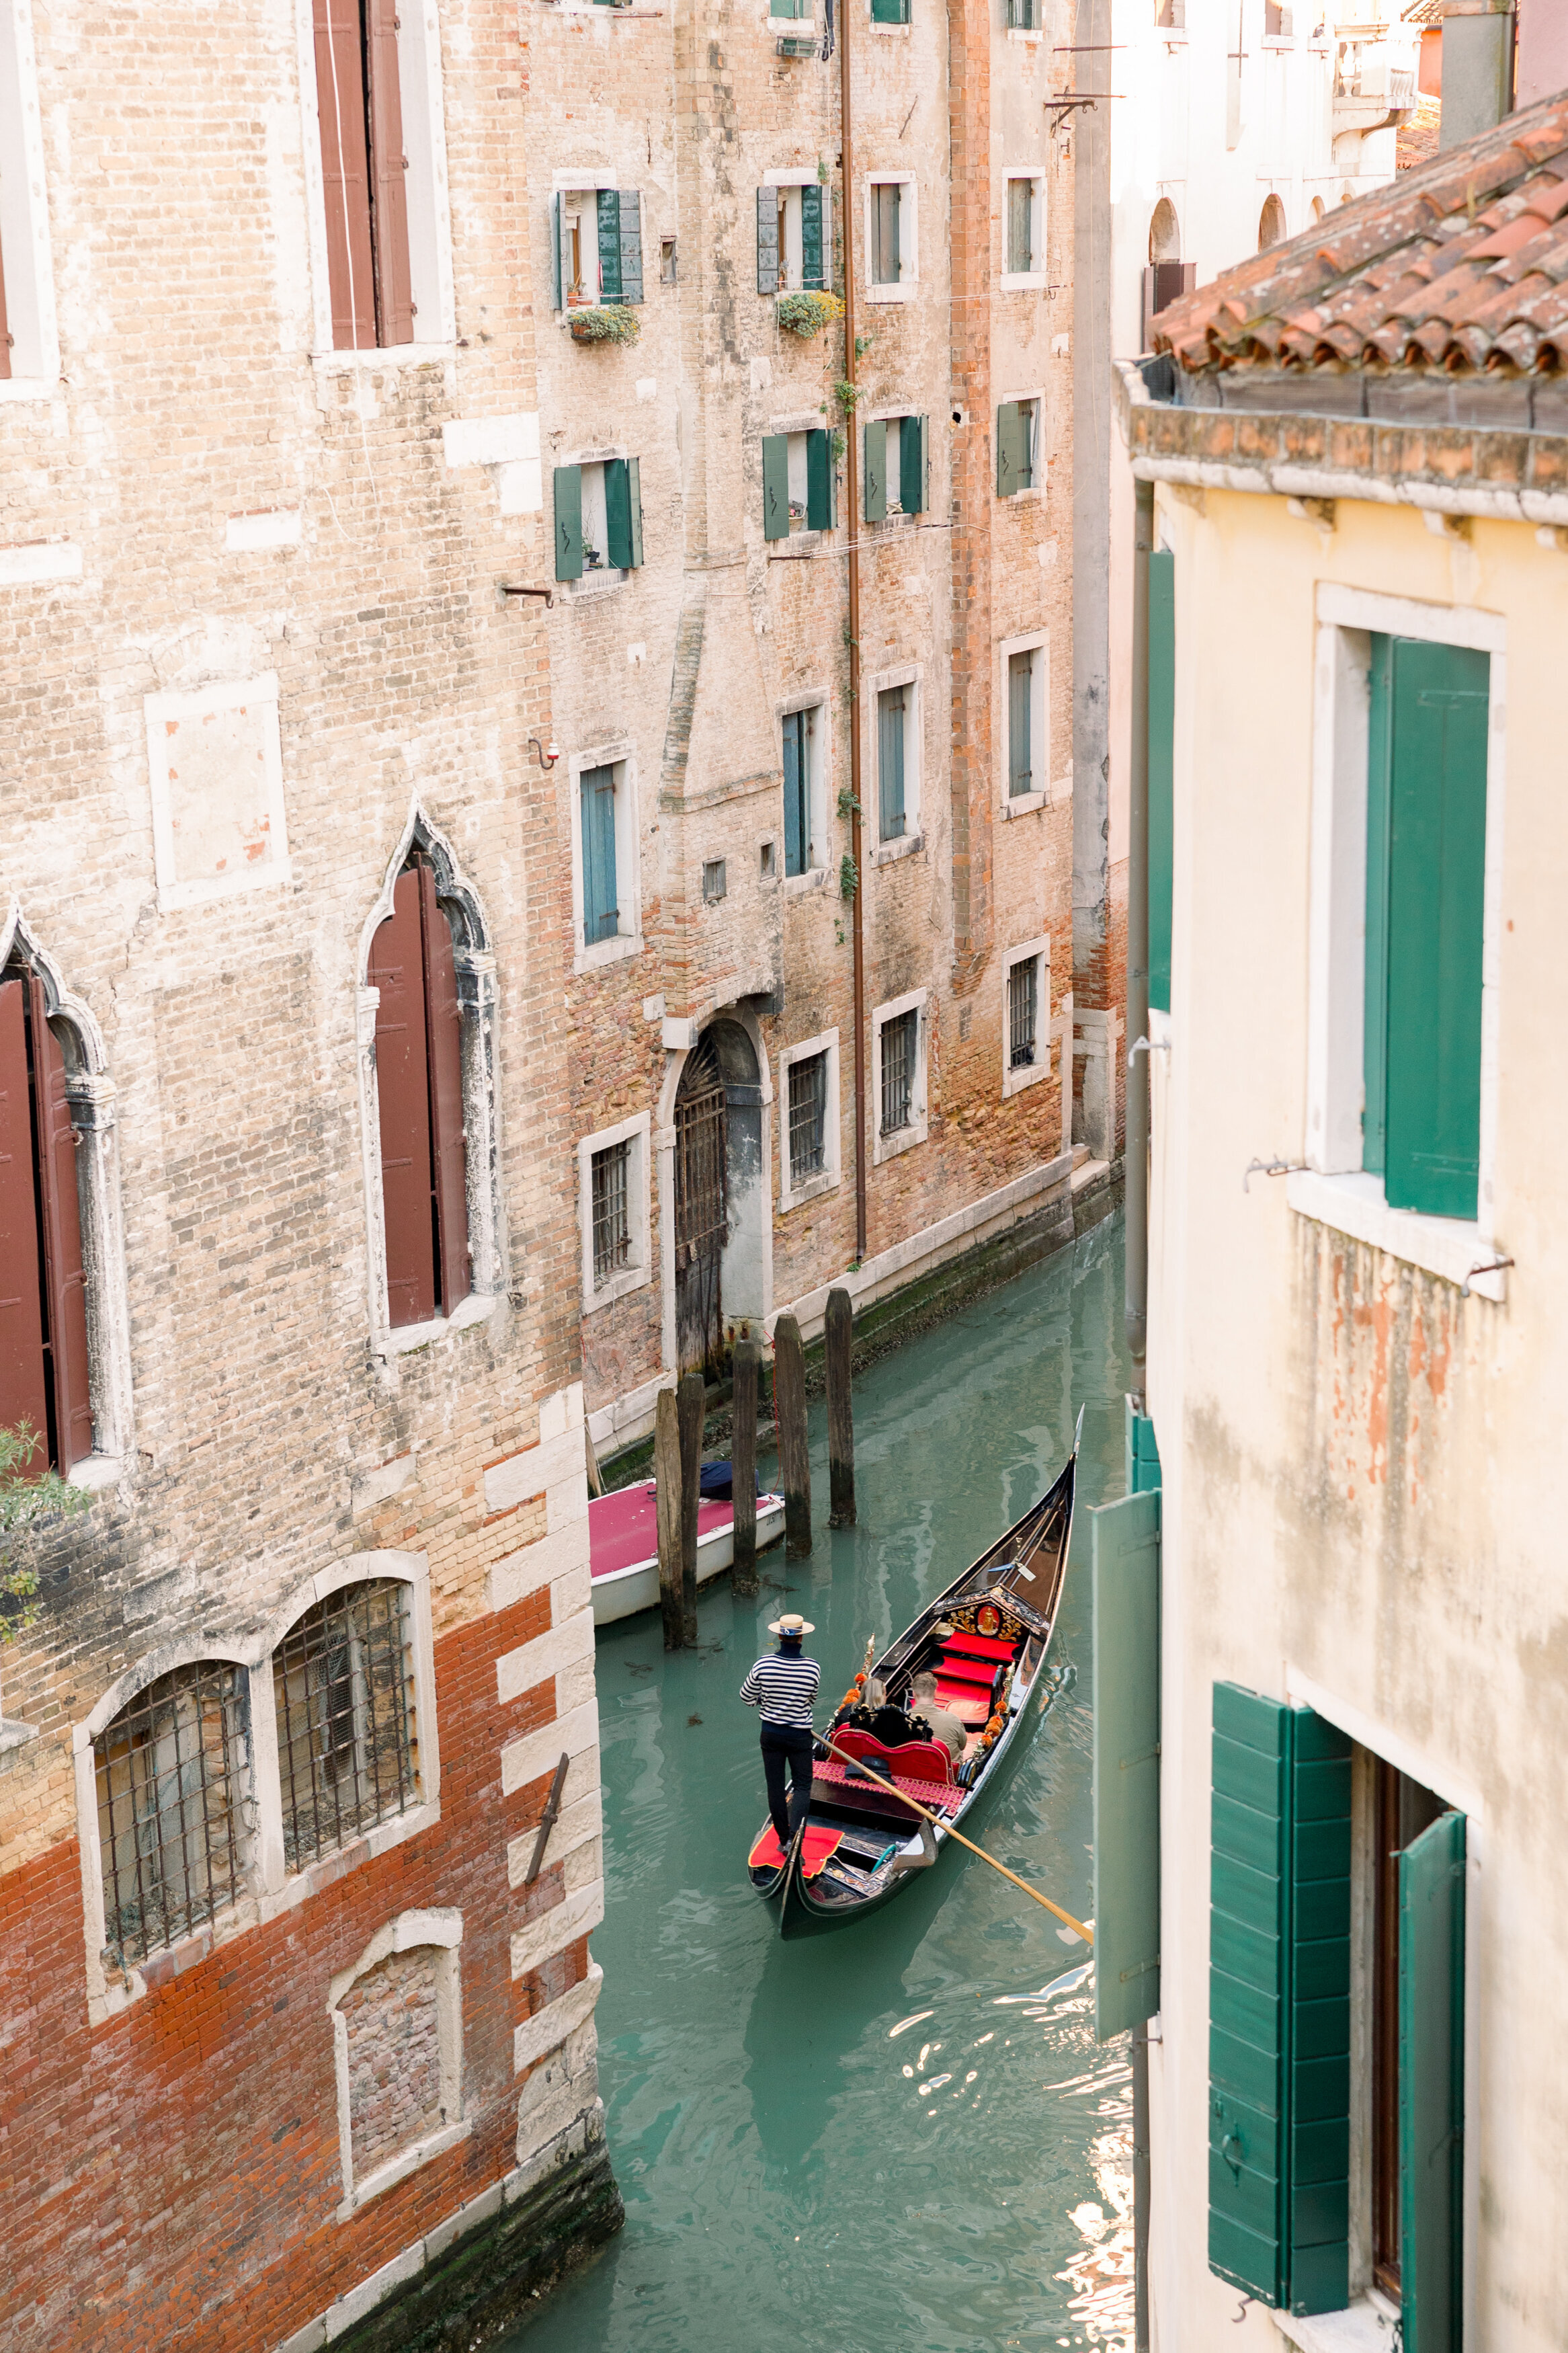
[1540, 67]
[1478, 65]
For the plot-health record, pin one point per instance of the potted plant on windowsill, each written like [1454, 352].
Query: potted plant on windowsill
[806, 314]
[605, 322]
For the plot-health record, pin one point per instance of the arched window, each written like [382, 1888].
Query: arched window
[1270, 223]
[1317, 208]
[170, 1771]
[419, 1084]
[45, 1378]
[1167, 276]
[343, 1682]
[1165, 233]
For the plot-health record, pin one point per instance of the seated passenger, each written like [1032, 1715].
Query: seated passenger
[883, 1718]
[943, 1728]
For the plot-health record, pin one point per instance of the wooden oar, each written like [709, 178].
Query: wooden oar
[936, 1820]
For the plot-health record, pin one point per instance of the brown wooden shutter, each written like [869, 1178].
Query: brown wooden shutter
[389, 209]
[22, 1395]
[397, 970]
[4, 331]
[345, 172]
[65, 1281]
[448, 1153]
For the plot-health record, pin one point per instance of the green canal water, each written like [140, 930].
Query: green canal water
[902, 2138]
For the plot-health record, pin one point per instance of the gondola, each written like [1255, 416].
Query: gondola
[986, 1637]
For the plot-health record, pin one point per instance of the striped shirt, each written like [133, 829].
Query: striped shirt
[783, 1688]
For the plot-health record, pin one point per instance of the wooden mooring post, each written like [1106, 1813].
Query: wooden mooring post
[666, 1477]
[838, 1330]
[692, 1412]
[789, 1412]
[744, 1368]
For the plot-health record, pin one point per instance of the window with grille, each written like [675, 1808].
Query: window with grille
[343, 1679]
[170, 1771]
[900, 1037]
[611, 1211]
[1023, 1013]
[808, 1117]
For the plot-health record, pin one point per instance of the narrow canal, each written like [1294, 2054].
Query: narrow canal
[902, 2138]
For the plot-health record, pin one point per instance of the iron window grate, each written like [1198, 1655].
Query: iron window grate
[808, 1117]
[612, 1214]
[343, 1682]
[170, 1771]
[1023, 1013]
[899, 1039]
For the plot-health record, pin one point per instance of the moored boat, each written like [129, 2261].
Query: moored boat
[623, 1544]
[986, 1638]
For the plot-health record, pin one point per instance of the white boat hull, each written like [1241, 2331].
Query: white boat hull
[624, 1591]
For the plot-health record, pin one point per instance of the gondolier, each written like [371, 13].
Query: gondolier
[783, 1684]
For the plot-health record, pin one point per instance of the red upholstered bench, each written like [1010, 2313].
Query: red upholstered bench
[912, 1760]
[937, 1797]
[979, 1646]
[971, 1703]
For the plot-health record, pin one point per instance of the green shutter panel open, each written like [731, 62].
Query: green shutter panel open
[634, 493]
[1432, 2085]
[1248, 1892]
[600, 916]
[608, 208]
[1374, 1011]
[555, 248]
[1125, 1562]
[890, 762]
[877, 472]
[1436, 874]
[1318, 2143]
[618, 514]
[793, 765]
[1141, 1453]
[912, 465]
[819, 481]
[1011, 455]
[775, 486]
[631, 246]
[767, 240]
[1161, 770]
[812, 241]
[568, 523]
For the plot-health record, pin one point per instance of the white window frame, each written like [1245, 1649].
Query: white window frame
[902, 289]
[886, 853]
[25, 217]
[1034, 641]
[409, 1932]
[1028, 952]
[431, 280]
[814, 699]
[628, 941]
[830, 1176]
[567, 184]
[267, 1886]
[1334, 1187]
[888, 1147]
[791, 261]
[1013, 281]
[639, 1270]
[232, 694]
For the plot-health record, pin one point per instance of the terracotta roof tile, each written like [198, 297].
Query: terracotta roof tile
[1461, 265]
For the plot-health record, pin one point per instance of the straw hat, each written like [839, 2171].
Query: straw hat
[791, 1624]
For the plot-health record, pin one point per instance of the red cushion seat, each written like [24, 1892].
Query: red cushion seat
[912, 1760]
[970, 1705]
[979, 1646]
[966, 1671]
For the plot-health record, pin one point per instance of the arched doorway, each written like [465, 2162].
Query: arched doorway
[1270, 224]
[720, 1223]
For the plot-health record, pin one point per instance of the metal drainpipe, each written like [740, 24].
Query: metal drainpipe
[1136, 1166]
[852, 493]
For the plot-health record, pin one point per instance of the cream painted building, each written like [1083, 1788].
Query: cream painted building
[1357, 603]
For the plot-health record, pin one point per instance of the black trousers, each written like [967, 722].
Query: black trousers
[782, 1745]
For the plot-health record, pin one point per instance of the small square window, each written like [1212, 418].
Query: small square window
[807, 1118]
[666, 261]
[714, 882]
[766, 860]
[612, 1211]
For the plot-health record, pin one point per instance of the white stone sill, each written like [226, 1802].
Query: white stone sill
[478, 1308]
[1023, 804]
[603, 952]
[1363, 2326]
[1354, 1204]
[1173, 36]
[887, 853]
[96, 1472]
[906, 288]
[394, 355]
[903, 1139]
[1023, 281]
[399, 2167]
[883, 32]
[630, 1279]
[801, 886]
[1026, 33]
[811, 1189]
[27, 387]
[597, 583]
[1029, 1074]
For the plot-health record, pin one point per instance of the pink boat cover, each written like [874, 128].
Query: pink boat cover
[623, 1527]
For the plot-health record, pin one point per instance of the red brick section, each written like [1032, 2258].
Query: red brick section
[973, 483]
[171, 2176]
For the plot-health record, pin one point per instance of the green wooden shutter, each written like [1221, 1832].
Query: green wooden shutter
[618, 513]
[1437, 876]
[1319, 2023]
[631, 246]
[890, 762]
[1012, 464]
[1432, 2085]
[1161, 770]
[775, 486]
[1125, 1564]
[1248, 1893]
[768, 256]
[568, 523]
[1374, 1012]
[812, 240]
[555, 234]
[912, 465]
[1020, 679]
[794, 793]
[634, 492]
[599, 906]
[889, 12]
[1141, 1454]
[607, 211]
[819, 481]
[877, 472]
